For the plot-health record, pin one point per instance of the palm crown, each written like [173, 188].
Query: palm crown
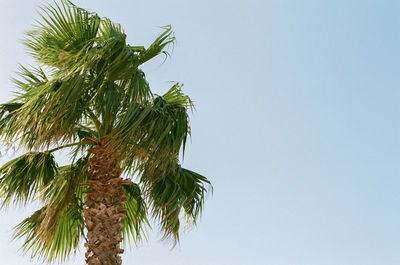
[89, 90]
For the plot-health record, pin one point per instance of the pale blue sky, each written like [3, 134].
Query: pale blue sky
[297, 126]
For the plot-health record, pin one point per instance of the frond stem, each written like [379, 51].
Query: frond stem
[63, 146]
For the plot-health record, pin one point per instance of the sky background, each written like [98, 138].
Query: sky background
[297, 126]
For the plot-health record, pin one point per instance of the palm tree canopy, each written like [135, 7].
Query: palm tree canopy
[88, 86]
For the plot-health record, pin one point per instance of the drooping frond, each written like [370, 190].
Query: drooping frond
[157, 131]
[175, 97]
[172, 192]
[137, 89]
[24, 177]
[54, 231]
[136, 222]
[61, 242]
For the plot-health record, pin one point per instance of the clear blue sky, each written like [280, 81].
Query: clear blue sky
[297, 126]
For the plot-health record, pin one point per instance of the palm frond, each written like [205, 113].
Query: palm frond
[135, 223]
[8, 119]
[157, 47]
[22, 178]
[169, 193]
[109, 29]
[30, 78]
[176, 97]
[60, 243]
[54, 231]
[137, 88]
[48, 110]
[64, 32]
[156, 131]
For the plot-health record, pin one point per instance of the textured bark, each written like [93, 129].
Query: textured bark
[104, 212]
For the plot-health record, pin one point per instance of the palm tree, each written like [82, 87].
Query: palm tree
[89, 95]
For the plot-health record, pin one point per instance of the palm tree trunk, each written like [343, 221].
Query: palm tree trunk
[104, 213]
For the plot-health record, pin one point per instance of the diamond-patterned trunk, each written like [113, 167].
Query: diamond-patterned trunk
[104, 212]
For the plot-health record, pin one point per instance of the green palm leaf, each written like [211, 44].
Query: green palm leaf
[136, 222]
[63, 239]
[66, 31]
[24, 177]
[173, 191]
[54, 231]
